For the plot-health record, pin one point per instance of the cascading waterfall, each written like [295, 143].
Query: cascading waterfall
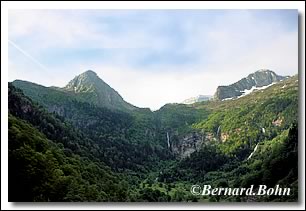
[218, 131]
[168, 140]
[253, 151]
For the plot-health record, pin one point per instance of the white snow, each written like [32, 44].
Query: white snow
[227, 98]
[248, 91]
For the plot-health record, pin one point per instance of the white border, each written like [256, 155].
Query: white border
[154, 5]
[5, 6]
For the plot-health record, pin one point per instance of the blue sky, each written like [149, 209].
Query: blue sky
[152, 57]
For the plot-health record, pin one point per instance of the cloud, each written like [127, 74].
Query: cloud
[152, 57]
[76, 28]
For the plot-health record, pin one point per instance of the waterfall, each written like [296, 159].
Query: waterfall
[218, 131]
[168, 140]
[253, 151]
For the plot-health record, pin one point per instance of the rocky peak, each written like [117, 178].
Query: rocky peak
[85, 82]
[258, 79]
[94, 90]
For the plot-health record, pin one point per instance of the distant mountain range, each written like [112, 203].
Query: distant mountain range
[199, 98]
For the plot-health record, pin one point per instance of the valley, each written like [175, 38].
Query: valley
[83, 142]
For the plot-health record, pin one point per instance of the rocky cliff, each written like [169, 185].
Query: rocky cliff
[259, 79]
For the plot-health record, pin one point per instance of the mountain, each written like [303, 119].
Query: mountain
[50, 160]
[121, 134]
[86, 87]
[252, 140]
[257, 80]
[63, 148]
[92, 88]
[199, 98]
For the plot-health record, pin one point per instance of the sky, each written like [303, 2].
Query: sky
[151, 57]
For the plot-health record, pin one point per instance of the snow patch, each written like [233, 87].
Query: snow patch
[230, 98]
[248, 91]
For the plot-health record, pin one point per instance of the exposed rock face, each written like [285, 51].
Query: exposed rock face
[26, 108]
[94, 90]
[209, 137]
[238, 130]
[57, 109]
[183, 147]
[224, 137]
[278, 122]
[258, 79]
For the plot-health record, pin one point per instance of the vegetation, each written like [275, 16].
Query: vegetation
[62, 148]
[41, 170]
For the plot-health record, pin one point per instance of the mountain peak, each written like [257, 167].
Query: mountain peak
[259, 79]
[89, 72]
[85, 82]
[264, 70]
[88, 85]
[89, 76]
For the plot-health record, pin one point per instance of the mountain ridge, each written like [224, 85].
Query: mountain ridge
[258, 79]
[90, 86]
[85, 87]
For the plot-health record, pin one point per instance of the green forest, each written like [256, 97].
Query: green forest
[67, 147]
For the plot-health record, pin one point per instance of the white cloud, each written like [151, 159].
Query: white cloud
[235, 45]
[74, 29]
[47, 27]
